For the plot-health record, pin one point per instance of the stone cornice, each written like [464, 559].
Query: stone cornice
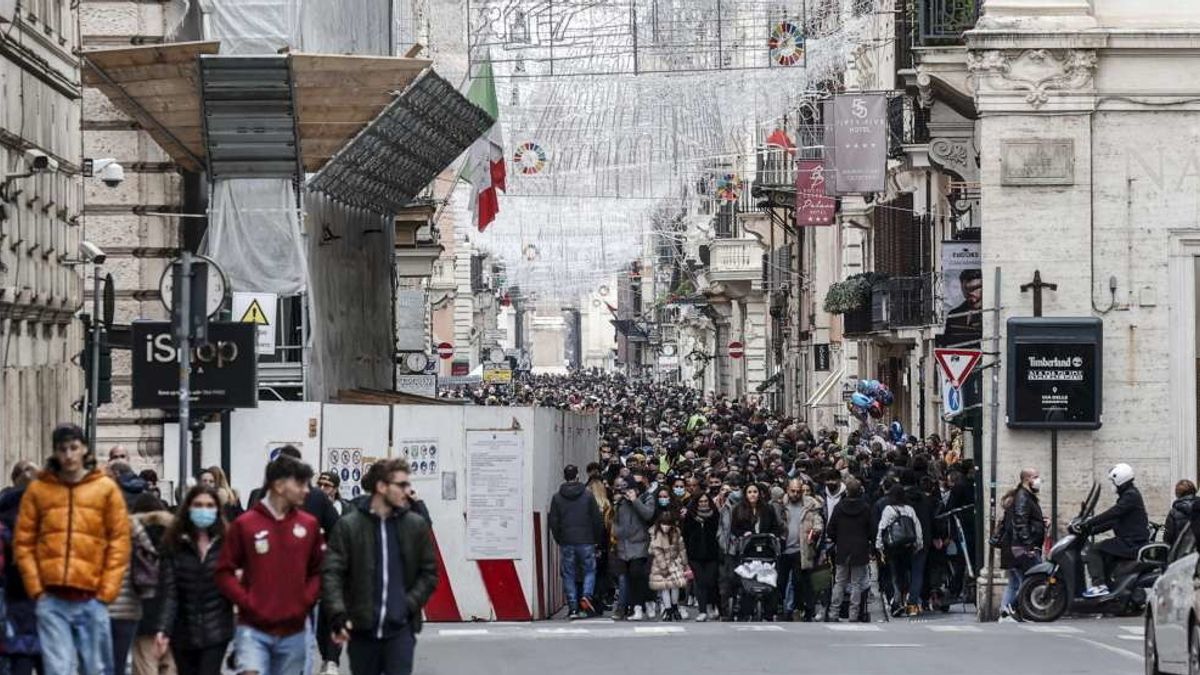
[1033, 78]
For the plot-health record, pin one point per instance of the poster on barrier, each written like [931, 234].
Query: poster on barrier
[424, 457]
[495, 508]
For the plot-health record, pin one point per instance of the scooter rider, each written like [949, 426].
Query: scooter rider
[1129, 523]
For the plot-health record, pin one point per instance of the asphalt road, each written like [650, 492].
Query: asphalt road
[941, 645]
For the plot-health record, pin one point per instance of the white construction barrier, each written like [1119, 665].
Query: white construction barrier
[486, 474]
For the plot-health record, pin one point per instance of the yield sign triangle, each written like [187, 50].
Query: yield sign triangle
[255, 314]
[957, 364]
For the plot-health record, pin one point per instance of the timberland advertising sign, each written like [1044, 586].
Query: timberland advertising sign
[1054, 373]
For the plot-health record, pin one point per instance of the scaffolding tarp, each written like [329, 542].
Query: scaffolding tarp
[254, 235]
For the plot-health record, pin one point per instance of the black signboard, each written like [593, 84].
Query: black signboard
[1054, 373]
[821, 358]
[224, 369]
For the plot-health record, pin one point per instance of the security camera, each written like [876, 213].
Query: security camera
[40, 162]
[110, 171]
[92, 253]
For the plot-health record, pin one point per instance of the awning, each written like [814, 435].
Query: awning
[826, 386]
[332, 100]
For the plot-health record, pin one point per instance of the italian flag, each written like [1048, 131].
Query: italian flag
[485, 169]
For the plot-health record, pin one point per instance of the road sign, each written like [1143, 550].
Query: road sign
[218, 286]
[736, 350]
[260, 310]
[494, 374]
[422, 385]
[952, 401]
[445, 351]
[957, 364]
[224, 372]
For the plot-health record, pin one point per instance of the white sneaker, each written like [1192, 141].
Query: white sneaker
[701, 617]
[637, 614]
[1096, 591]
[682, 613]
[330, 668]
[651, 610]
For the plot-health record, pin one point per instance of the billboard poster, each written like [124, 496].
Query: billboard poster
[812, 206]
[1054, 373]
[962, 293]
[860, 141]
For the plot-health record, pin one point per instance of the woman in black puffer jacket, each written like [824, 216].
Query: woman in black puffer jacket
[196, 621]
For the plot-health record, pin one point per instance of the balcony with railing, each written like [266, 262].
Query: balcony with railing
[735, 260]
[943, 22]
[902, 302]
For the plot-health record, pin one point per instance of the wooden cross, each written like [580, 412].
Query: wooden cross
[1037, 285]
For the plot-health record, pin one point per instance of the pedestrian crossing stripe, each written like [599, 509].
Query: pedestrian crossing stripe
[955, 629]
[853, 628]
[563, 631]
[1052, 629]
[254, 314]
[759, 629]
[1136, 630]
[461, 632]
[658, 630]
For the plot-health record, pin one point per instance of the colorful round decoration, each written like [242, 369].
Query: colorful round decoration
[786, 43]
[530, 158]
[729, 188]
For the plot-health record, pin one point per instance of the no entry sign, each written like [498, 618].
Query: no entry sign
[445, 351]
[736, 350]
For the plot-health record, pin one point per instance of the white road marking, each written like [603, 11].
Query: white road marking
[1061, 630]
[853, 628]
[562, 631]
[461, 632]
[1136, 630]
[1115, 650]
[955, 629]
[657, 630]
[759, 629]
[880, 645]
[1132, 638]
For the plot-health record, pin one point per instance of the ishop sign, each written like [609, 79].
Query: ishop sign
[1054, 373]
[224, 370]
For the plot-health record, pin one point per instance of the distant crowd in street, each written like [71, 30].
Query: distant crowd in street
[743, 513]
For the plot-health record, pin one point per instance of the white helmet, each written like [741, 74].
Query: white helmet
[1120, 474]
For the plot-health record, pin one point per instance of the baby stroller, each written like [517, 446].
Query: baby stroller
[758, 594]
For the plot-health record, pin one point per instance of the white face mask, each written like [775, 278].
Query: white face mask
[1036, 483]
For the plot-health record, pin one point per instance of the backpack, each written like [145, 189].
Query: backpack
[901, 533]
[1002, 535]
[143, 563]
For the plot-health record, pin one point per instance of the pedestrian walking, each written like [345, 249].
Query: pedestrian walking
[276, 547]
[899, 538]
[703, 553]
[604, 587]
[1180, 515]
[154, 516]
[72, 546]
[805, 522]
[196, 622]
[379, 572]
[231, 502]
[140, 582]
[632, 529]
[578, 528]
[330, 483]
[669, 572]
[850, 532]
[1026, 534]
[22, 652]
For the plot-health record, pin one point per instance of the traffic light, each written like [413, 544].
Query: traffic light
[104, 394]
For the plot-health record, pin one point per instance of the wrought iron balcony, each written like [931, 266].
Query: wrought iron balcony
[902, 302]
[776, 167]
[942, 22]
[858, 322]
[735, 260]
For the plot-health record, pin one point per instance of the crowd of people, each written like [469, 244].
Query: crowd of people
[689, 491]
[98, 570]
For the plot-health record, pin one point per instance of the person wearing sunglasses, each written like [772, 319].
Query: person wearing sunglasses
[379, 572]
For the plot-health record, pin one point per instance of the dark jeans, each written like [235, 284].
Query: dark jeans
[638, 571]
[21, 664]
[205, 661]
[329, 650]
[573, 556]
[917, 589]
[800, 582]
[390, 656]
[727, 584]
[900, 561]
[705, 573]
[123, 634]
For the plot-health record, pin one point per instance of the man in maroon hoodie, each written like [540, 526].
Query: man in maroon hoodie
[277, 548]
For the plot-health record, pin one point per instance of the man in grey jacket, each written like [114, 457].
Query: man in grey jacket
[577, 528]
[631, 526]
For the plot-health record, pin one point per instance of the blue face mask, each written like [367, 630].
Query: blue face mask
[735, 495]
[677, 491]
[203, 517]
[663, 501]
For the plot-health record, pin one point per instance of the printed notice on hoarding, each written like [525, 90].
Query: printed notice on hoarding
[424, 457]
[495, 473]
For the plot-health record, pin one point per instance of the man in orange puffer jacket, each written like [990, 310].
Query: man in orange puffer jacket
[72, 547]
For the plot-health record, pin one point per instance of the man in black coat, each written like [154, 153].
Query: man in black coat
[1130, 526]
[1181, 511]
[1028, 524]
[850, 531]
[577, 528]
